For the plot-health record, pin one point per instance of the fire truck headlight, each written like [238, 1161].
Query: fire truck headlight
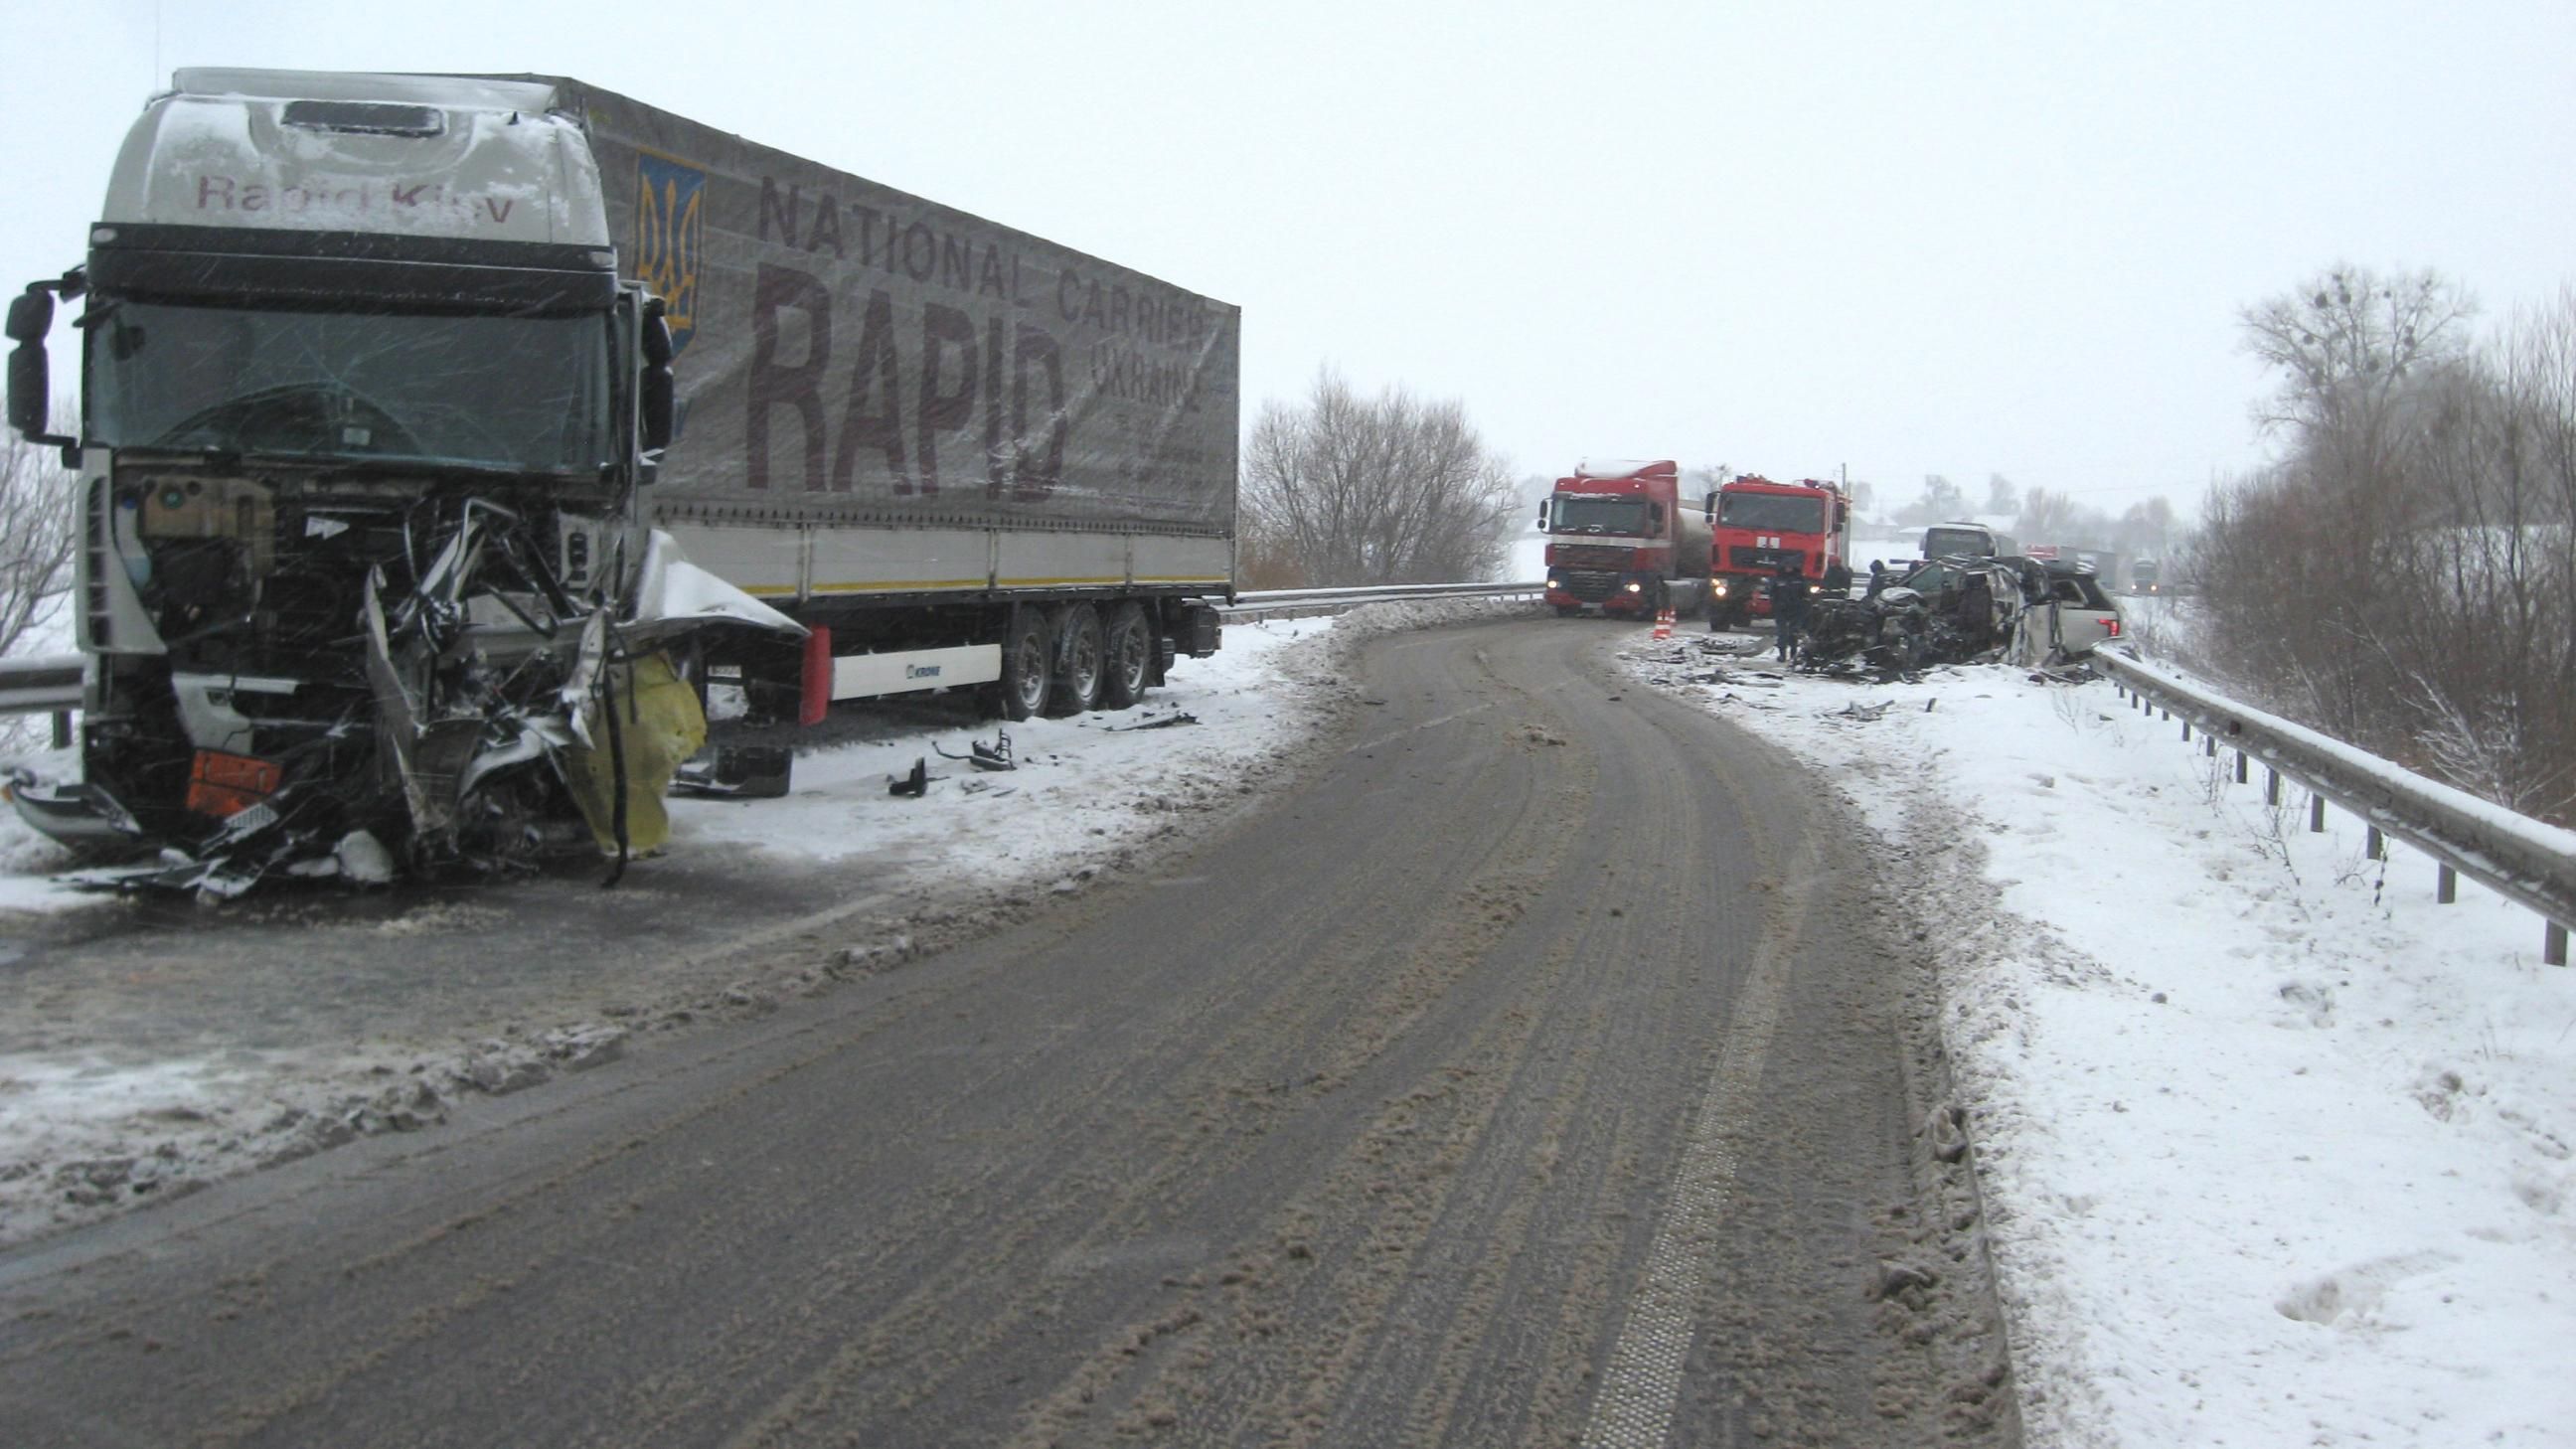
[1557, 585]
[1719, 590]
[1815, 588]
[1636, 588]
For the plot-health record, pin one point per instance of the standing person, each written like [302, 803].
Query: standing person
[1788, 608]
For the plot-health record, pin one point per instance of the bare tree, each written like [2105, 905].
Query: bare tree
[1939, 500]
[2050, 516]
[1348, 490]
[2404, 576]
[35, 541]
[2001, 495]
[2346, 342]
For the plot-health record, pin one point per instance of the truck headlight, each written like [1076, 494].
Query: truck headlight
[1719, 590]
[1636, 588]
[1556, 585]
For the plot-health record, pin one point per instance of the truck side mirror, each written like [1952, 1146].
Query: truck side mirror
[660, 407]
[1708, 506]
[31, 315]
[659, 399]
[657, 335]
[1542, 517]
[27, 389]
[1655, 514]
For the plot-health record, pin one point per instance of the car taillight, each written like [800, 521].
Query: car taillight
[2114, 622]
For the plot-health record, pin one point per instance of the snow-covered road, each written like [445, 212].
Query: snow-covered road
[2275, 1150]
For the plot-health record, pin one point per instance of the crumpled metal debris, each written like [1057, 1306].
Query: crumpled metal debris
[436, 700]
[914, 785]
[995, 756]
[1899, 630]
[752, 772]
[1165, 722]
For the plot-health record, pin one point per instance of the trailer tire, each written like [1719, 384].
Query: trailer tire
[1128, 656]
[1081, 659]
[1028, 658]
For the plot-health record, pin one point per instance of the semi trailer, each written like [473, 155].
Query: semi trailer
[439, 435]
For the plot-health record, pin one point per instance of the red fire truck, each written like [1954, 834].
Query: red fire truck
[1756, 525]
[1619, 540]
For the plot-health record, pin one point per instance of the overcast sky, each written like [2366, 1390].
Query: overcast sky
[1907, 238]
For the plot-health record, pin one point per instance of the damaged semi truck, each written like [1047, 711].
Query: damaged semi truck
[438, 432]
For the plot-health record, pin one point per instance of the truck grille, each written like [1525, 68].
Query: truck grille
[1589, 585]
[1766, 559]
[1591, 556]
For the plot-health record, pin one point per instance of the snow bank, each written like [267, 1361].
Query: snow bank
[2276, 1149]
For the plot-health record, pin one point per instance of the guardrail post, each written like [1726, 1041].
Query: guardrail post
[62, 729]
[2240, 767]
[2316, 814]
[2375, 845]
[2209, 746]
[2271, 786]
[2553, 944]
[2446, 886]
[2186, 729]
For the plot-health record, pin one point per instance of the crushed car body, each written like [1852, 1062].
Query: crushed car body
[1963, 609]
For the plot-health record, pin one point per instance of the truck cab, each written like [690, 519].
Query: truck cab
[1757, 525]
[1620, 543]
[365, 415]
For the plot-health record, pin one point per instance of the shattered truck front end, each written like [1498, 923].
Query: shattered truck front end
[366, 413]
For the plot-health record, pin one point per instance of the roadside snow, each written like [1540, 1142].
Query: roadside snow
[2275, 1149]
[104, 1106]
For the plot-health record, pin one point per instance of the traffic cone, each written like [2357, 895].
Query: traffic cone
[1663, 623]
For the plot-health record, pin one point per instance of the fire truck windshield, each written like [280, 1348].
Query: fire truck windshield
[1771, 512]
[1569, 513]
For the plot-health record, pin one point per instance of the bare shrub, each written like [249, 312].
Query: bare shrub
[35, 541]
[1347, 490]
[2404, 576]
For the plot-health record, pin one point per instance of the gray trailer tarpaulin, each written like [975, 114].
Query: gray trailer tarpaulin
[851, 353]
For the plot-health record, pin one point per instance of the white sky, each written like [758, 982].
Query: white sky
[2003, 237]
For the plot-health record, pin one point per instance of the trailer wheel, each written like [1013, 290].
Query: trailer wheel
[1028, 655]
[1129, 641]
[1081, 660]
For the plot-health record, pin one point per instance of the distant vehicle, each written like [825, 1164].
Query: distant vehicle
[1619, 541]
[1757, 525]
[2064, 610]
[2146, 576]
[1962, 539]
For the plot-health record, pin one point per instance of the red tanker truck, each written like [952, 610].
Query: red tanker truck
[1620, 541]
[1756, 525]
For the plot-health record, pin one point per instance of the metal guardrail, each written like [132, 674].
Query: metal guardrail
[2521, 859]
[50, 683]
[1271, 603]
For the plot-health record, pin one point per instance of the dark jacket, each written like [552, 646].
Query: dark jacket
[1788, 596]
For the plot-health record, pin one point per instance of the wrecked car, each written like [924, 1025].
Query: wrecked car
[1961, 609]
